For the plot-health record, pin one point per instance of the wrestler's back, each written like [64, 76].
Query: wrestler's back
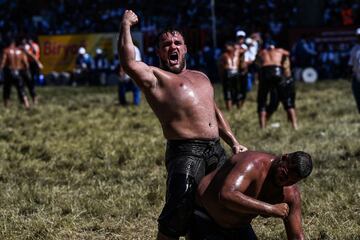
[271, 57]
[184, 104]
[209, 197]
[14, 59]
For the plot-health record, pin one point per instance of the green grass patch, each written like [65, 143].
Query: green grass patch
[78, 166]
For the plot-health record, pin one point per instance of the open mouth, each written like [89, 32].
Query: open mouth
[174, 58]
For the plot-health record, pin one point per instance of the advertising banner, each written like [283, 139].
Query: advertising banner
[58, 52]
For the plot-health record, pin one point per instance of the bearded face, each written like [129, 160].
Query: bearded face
[172, 52]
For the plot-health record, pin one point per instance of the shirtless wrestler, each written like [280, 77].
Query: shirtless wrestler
[231, 75]
[271, 77]
[15, 64]
[183, 101]
[250, 184]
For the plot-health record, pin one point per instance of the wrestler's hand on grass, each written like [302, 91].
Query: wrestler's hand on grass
[238, 148]
[129, 18]
[280, 210]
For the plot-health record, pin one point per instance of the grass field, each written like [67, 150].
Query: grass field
[78, 166]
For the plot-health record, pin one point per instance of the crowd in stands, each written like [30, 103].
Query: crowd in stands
[329, 59]
[273, 18]
[341, 13]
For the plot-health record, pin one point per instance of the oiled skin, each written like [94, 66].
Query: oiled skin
[247, 187]
[273, 56]
[183, 100]
[14, 58]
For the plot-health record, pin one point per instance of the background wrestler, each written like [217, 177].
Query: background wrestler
[286, 92]
[354, 63]
[15, 65]
[183, 101]
[229, 73]
[241, 86]
[271, 76]
[32, 51]
[250, 184]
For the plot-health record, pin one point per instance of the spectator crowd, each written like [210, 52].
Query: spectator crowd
[271, 18]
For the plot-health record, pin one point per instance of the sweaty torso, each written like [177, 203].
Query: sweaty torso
[184, 104]
[230, 61]
[14, 59]
[210, 186]
[271, 57]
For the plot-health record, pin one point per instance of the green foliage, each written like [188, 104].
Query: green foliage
[78, 166]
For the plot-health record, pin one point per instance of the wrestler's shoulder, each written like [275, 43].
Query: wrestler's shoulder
[156, 69]
[259, 160]
[197, 74]
[256, 154]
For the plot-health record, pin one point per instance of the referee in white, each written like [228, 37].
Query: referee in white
[354, 62]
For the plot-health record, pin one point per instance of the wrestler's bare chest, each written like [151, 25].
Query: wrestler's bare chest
[186, 90]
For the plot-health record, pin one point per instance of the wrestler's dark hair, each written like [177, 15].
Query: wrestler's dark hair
[169, 29]
[229, 43]
[18, 41]
[9, 40]
[302, 163]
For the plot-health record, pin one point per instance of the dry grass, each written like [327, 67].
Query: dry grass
[80, 167]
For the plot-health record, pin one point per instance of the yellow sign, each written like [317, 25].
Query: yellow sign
[58, 53]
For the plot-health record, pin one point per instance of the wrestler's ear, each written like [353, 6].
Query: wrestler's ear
[285, 157]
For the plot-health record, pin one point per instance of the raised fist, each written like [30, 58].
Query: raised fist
[130, 18]
[281, 210]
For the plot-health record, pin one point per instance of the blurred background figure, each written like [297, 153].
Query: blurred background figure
[83, 67]
[231, 67]
[15, 65]
[254, 42]
[228, 72]
[32, 51]
[35, 64]
[275, 80]
[354, 62]
[285, 92]
[244, 59]
[101, 67]
[127, 84]
[304, 54]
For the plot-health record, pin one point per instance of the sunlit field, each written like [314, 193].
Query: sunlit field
[79, 166]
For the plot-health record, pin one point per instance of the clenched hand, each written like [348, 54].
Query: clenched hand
[129, 18]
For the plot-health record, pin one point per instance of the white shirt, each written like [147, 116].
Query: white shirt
[354, 61]
[250, 54]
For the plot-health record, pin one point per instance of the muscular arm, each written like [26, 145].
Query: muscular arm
[139, 71]
[242, 62]
[3, 60]
[286, 65]
[293, 221]
[34, 58]
[25, 61]
[258, 59]
[237, 183]
[285, 53]
[225, 132]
